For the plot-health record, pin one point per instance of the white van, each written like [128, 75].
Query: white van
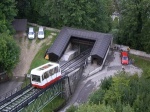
[41, 33]
[31, 34]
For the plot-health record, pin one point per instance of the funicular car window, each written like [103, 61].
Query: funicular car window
[53, 70]
[35, 78]
[56, 69]
[50, 72]
[46, 75]
[42, 77]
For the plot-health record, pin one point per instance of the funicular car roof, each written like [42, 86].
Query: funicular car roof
[43, 68]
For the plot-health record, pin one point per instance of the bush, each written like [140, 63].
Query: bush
[95, 108]
[9, 51]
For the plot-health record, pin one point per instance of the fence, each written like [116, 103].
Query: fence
[133, 51]
[46, 97]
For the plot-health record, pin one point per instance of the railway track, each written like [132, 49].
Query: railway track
[18, 100]
[15, 104]
[76, 64]
[82, 56]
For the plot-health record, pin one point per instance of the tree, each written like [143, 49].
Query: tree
[72, 108]
[134, 24]
[7, 13]
[86, 14]
[9, 52]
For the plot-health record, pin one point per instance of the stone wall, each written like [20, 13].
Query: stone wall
[71, 82]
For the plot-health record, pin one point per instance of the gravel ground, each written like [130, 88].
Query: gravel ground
[29, 49]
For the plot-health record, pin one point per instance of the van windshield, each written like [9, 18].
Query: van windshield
[36, 78]
[31, 33]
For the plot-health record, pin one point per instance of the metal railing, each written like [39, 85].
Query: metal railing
[46, 96]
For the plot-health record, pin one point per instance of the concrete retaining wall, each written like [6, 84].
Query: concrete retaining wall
[71, 82]
[100, 68]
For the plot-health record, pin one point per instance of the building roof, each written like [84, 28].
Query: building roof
[102, 41]
[20, 24]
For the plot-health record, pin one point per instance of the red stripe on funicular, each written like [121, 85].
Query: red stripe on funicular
[47, 84]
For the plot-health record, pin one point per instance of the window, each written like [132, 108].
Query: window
[59, 70]
[36, 78]
[42, 77]
[56, 69]
[124, 58]
[46, 75]
[53, 71]
[50, 72]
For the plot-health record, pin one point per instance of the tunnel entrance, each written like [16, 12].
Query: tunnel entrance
[75, 47]
[81, 44]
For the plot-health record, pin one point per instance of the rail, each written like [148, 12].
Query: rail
[13, 93]
[76, 58]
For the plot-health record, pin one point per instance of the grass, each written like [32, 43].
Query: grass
[140, 62]
[34, 27]
[46, 33]
[58, 101]
[54, 104]
[39, 58]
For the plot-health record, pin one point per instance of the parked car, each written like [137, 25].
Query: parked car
[41, 33]
[31, 34]
[124, 58]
